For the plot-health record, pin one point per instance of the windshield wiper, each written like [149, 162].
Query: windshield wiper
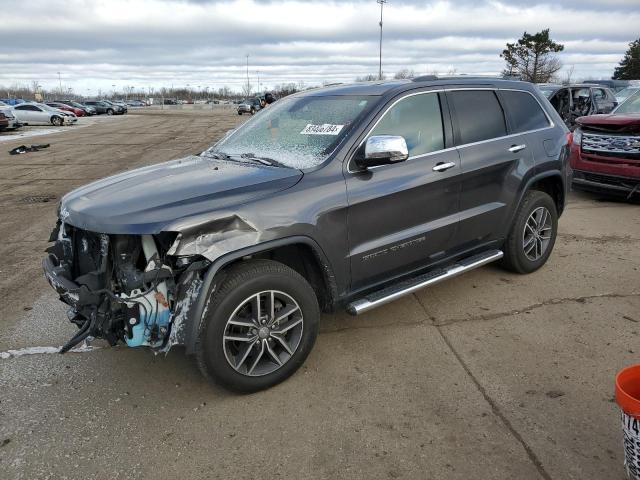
[245, 156]
[216, 155]
[263, 160]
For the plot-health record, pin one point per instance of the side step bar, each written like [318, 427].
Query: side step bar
[405, 287]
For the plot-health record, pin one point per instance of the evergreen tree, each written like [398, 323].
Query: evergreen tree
[629, 68]
[532, 57]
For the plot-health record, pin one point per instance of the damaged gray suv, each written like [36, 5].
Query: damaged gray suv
[342, 197]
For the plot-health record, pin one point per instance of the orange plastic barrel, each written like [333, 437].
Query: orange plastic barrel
[628, 398]
[628, 390]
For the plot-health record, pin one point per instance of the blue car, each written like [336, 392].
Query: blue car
[12, 101]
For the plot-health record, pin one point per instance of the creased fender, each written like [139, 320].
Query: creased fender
[215, 275]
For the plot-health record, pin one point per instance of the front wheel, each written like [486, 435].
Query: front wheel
[259, 328]
[110, 111]
[239, 113]
[57, 121]
[533, 233]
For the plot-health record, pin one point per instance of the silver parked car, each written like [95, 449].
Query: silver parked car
[41, 114]
[625, 93]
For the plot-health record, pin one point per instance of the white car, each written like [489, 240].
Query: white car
[40, 114]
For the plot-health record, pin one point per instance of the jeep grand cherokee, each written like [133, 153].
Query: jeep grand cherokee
[341, 197]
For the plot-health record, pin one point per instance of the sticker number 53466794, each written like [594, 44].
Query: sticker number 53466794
[324, 129]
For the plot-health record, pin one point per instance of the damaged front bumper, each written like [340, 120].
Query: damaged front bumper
[123, 288]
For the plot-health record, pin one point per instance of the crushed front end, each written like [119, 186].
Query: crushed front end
[123, 288]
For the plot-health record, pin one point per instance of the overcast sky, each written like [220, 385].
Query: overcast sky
[155, 43]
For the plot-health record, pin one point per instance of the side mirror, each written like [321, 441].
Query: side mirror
[383, 150]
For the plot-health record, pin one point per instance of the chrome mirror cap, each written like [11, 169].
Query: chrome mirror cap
[384, 149]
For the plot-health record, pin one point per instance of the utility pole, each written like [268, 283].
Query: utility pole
[381, 2]
[258, 74]
[248, 84]
[59, 82]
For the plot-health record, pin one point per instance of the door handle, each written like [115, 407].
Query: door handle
[517, 148]
[441, 167]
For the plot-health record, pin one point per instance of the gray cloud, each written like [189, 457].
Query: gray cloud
[163, 42]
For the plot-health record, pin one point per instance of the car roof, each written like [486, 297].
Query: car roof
[379, 88]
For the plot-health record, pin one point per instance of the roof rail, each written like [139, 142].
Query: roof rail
[427, 78]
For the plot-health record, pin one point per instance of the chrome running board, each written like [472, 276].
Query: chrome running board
[405, 287]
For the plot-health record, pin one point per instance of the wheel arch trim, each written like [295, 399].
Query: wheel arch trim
[536, 178]
[212, 274]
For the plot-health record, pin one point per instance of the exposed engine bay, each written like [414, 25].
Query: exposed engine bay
[122, 288]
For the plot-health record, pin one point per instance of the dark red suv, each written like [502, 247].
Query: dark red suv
[605, 153]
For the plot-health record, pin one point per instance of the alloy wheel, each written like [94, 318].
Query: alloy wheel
[263, 333]
[538, 230]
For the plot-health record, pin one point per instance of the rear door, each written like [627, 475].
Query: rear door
[492, 162]
[42, 116]
[403, 216]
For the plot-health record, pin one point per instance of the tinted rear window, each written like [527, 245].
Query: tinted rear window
[525, 112]
[479, 115]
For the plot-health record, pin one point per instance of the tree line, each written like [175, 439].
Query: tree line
[533, 58]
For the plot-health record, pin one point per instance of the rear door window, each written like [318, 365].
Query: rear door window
[418, 119]
[524, 111]
[479, 115]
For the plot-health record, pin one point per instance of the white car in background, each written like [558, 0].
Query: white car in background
[41, 114]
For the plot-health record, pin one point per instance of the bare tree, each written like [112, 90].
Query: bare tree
[404, 73]
[568, 75]
[246, 90]
[369, 78]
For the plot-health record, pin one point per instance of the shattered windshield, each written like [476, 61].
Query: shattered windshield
[630, 105]
[295, 132]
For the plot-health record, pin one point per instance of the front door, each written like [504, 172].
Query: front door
[28, 113]
[404, 216]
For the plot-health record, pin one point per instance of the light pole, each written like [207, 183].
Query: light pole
[381, 2]
[248, 84]
[258, 74]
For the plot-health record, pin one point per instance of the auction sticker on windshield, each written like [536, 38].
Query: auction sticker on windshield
[325, 129]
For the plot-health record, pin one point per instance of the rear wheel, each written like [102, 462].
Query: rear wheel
[57, 121]
[533, 233]
[259, 328]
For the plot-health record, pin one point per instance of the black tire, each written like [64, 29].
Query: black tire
[253, 111]
[109, 111]
[239, 113]
[240, 283]
[515, 258]
[57, 121]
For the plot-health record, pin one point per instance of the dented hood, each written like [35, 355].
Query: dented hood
[144, 200]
